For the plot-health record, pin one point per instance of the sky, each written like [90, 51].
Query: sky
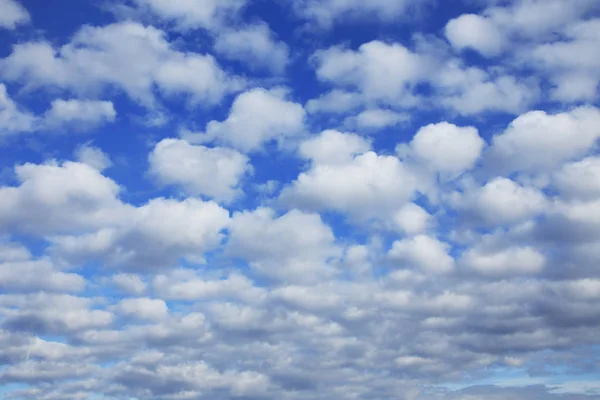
[299, 200]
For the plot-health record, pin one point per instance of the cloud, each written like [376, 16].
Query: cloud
[79, 114]
[422, 252]
[537, 141]
[390, 74]
[143, 308]
[93, 156]
[376, 119]
[502, 201]
[199, 170]
[294, 247]
[476, 32]
[363, 185]
[188, 14]
[446, 148]
[12, 14]
[256, 118]
[255, 46]
[12, 118]
[511, 261]
[328, 12]
[126, 56]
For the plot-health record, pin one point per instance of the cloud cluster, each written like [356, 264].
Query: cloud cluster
[267, 210]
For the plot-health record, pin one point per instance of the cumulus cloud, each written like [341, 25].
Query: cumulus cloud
[212, 172]
[255, 46]
[537, 141]
[476, 32]
[256, 118]
[446, 148]
[189, 14]
[92, 156]
[285, 250]
[365, 185]
[82, 114]
[127, 56]
[293, 247]
[12, 118]
[12, 14]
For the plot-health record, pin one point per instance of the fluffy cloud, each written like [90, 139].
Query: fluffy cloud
[446, 148]
[256, 118]
[399, 265]
[55, 198]
[379, 70]
[143, 308]
[511, 261]
[424, 252]
[188, 14]
[155, 235]
[333, 147]
[363, 185]
[92, 156]
[32, 275]
[376, 119]
[503, 201]
[476, 32]
[127, 56]
[537, 141]
[255, 46]
[82, 114]
[293, 247]
[212, 172]
[12, 118]
[327, 12]
[12, 14]
[390, 73]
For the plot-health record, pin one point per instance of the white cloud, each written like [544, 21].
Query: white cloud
[333, 147]
[92, 156]
[79, 114]
[539, 142]
[366, 185]
[55, 198]
[153, 236]
[188, 14]
[336, 102]
[572, 63]
[424, 252]
[256, 117]
[476, 32]
[379, 70]
[447, 148]
[143, 308]
[329, 11]
[389, 74]
[506, 262]
[412, 219]
[503, 201]
[471, 90]
[579, 179]
[255, 46]
[130, 283]
[294, 247]
[188, 285]
[212, 172]
[12, 14]
[12, 118]
[376, 118]
[33, 275]
[127, 56]
[78, 211]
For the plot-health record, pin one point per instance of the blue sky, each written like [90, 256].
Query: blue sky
[303, 200]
